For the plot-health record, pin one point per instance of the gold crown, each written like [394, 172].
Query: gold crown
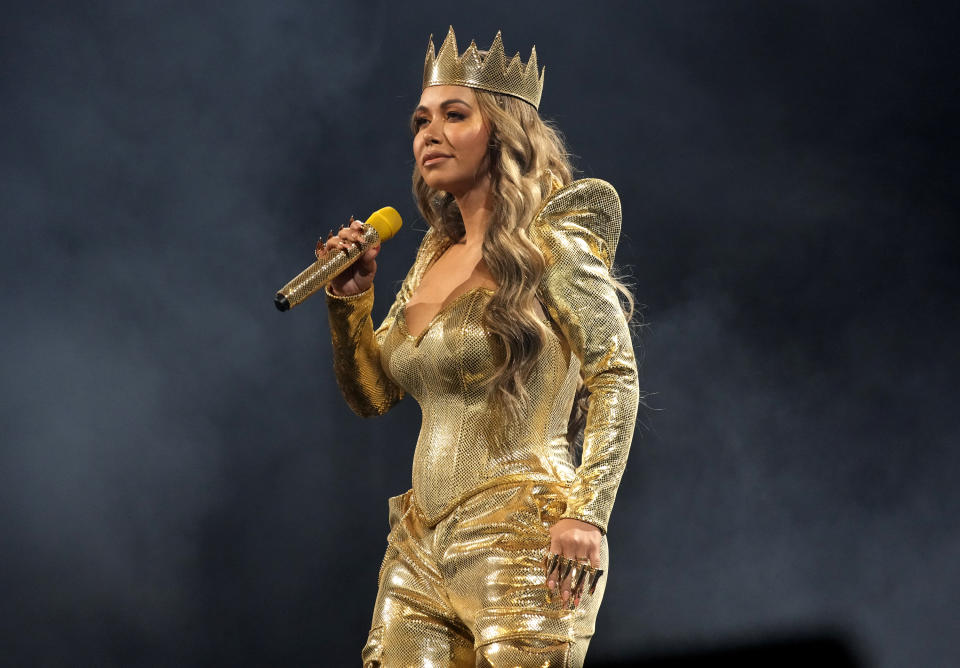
[490, 73]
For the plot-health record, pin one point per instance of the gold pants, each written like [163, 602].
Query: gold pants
[470, 591]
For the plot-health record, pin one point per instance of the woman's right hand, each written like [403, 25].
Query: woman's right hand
[358, 277]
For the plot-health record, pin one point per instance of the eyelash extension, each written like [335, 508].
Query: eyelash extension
[417, 122]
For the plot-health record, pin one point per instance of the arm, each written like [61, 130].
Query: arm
[578, 231]
[356, 353]
[367, 388]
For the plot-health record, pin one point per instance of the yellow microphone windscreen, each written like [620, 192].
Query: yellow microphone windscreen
[385, 221]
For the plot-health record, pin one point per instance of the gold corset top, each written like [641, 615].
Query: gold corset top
[462, 448]
[445, 368]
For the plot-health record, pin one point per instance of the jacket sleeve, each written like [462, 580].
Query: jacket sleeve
[578, 230]
[364, 383]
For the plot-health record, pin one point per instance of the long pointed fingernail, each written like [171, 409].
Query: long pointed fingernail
[552, 562]
[579, 580]
[596, 579]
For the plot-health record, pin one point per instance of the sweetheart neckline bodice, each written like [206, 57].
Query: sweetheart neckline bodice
[441, 312]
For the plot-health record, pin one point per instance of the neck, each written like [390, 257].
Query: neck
[476, 206]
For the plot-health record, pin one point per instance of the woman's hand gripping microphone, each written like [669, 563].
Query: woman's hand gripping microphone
[346, 261]
[358, 277]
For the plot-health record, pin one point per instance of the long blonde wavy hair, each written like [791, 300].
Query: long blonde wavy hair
[524, 156]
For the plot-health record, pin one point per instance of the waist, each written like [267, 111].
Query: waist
[430, 513]
[432, 508]
[459, 455]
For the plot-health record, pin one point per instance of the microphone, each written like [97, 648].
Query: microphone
[380, 226]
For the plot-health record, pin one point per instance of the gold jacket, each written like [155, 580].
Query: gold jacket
[445, 366]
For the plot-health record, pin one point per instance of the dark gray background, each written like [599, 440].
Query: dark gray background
[182, 483]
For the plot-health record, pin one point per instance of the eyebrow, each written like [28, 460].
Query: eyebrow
[445, 103]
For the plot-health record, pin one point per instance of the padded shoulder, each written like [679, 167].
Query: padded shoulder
[592, 204]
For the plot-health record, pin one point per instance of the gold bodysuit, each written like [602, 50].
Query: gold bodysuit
[463, 571]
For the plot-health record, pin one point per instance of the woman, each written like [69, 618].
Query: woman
[507, 318]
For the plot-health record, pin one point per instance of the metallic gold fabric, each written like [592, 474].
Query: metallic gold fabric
[356, 355]
[490, 73]
[472, 586]
[591, 204]
[445, 366]
[578, 229]
[459, 458]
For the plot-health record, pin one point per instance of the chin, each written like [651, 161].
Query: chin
[440, 184]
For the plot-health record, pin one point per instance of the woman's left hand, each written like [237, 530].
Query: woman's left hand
[578, 541]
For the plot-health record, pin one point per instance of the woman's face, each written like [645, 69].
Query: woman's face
[450, 140]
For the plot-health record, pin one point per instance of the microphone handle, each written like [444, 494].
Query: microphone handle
[329, 266]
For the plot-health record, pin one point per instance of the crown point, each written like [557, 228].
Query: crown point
[493, 64]
[450, 43]
[471, 58]
[431, 55]
[532, 63]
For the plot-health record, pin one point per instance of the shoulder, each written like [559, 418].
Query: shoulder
[589, 206]
[430, 243]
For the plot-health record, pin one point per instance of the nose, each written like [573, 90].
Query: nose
[430, 134]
